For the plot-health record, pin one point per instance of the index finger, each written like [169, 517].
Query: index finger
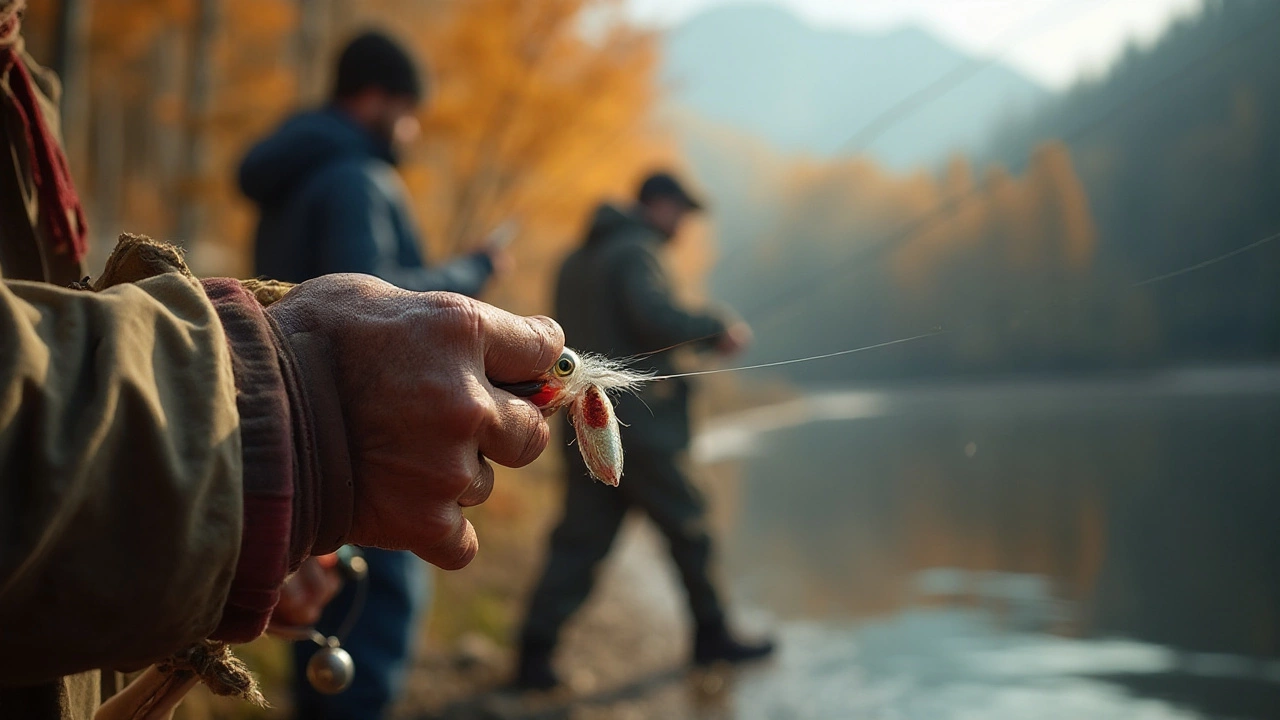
[519, 348]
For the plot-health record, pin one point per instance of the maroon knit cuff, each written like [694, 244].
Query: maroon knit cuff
[324, 507]
[266, 439]
[308, 495]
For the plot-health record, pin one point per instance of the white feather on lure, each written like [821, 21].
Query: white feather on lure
[582, 384]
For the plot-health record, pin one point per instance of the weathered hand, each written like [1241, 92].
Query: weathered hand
[736, 338]
[504, 263]
[411, 375]
[305, 594]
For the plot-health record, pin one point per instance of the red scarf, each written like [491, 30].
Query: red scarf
[61, 214]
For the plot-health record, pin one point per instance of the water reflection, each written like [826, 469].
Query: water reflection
[949, 664]
[980, 550]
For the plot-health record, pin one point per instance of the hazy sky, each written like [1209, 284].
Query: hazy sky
[1053, 41]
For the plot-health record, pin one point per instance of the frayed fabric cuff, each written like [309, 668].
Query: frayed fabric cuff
[271, 461]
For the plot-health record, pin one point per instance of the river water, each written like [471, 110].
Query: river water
[1030, 549]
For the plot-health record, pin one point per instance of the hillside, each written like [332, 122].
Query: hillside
[1178, 148]
[762, 70]
[1029, 253]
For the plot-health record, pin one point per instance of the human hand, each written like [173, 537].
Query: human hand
[504, 263]
[411, 374]
[495, 246]
[736, 338]
[305, 594]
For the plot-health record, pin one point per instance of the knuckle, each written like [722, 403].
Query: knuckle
[473, 412]
[536, 441]
[455, 321]
[456, 480]
[458, 549]
[550, 337]
[437, 526]
[457, 558]
[447, 301]
[480, 488]
[461, 314]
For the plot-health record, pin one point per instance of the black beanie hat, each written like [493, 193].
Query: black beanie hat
[374, 60]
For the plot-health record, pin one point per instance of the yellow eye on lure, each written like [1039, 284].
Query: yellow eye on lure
[566, 365]
[582, 384]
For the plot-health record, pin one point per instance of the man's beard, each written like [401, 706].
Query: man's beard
[384, 131]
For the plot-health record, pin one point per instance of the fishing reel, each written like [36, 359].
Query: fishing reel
[331, 669]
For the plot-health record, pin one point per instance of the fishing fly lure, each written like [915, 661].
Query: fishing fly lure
[581, 383]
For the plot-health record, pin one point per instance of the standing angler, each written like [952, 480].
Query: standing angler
[332, 202]
[613, 298]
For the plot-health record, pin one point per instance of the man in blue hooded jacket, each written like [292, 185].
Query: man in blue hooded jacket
[331, 201]
[328, 191]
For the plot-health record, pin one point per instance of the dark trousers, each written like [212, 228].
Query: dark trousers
[593, 512]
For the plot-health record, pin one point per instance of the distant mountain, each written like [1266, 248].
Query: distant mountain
[1130, 222]
[759, 69]
[1178, 148]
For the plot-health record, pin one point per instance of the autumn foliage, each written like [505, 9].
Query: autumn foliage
[536, 111]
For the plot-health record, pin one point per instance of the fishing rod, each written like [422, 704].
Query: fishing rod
[786, 299]
[882, 123]
[903, 109]
[581, 383]
[940, 330]
[960, 74]
[622, 377]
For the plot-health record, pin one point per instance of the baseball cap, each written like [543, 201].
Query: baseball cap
[665, 185]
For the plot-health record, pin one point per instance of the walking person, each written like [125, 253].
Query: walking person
[613, 297]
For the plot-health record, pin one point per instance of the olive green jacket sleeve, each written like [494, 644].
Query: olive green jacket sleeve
[120, 475]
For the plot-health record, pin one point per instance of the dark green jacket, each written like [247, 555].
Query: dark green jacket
[613, 298]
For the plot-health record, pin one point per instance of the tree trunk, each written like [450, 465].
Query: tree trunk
[312, 42]
[199, 105]
[108, 171]
[167, 141]
[71, 53]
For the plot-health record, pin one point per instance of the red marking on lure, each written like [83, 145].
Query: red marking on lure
[581, 384]
[599, 439]
[546, 397]
[594, 410]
